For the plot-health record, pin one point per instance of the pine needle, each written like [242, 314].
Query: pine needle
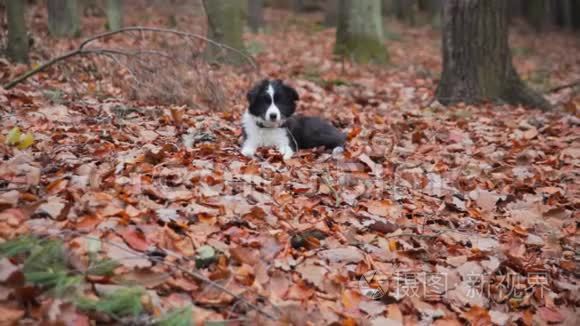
[17, 246]
[177, 317]
[121, 303]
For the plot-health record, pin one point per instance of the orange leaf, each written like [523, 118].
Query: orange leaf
[135, 239]
[350, 299]
[349, 322]
[244, 255]
[385, 208]
[478, 316]
[56, 186]
[551, 315]
[10, 315]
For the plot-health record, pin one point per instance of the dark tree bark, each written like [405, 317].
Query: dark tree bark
[477, 63]
[63, 18]
[422, 5]
[17, 45]
[567, 13]
[537, 13]
[575, 8]
[330, 13]
[404, 10]
[307, 5]
[515, 9]
[434, 9]
[255, 15]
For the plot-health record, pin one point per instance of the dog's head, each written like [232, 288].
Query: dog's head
[271, 102]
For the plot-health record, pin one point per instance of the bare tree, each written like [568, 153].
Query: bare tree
[225, 25]
[404, 10]
[477, 63]
[63, 18]
[255, 15]
[330, 12]
[359, 34]
[17, 45]
[115, 14]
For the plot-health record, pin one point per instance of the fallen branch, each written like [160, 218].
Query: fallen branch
[561, 87]
[82, 50]
[176, 266]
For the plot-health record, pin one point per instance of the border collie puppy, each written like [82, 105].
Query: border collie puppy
[269, 121]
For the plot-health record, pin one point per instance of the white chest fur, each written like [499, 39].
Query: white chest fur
[264, 137]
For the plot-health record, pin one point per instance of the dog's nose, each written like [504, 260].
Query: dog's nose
[273, 116]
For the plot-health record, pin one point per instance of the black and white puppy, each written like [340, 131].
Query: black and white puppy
[269, 121]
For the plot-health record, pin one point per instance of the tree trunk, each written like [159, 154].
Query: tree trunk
[359, 34]
[17, 45]
[424, 5]
[255, 15]
[388, 7]
[567, 14]
[434, 9]
[330, 13]
[575, 8]
[63, 18]
[298, 5]
[477, 64]
[404, 10]
[515, 9]
[225, 25]
[537, 14]
[115, 14]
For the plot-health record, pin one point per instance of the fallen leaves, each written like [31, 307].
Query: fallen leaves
[343, 255]
[121, 253]
[462, 191]
[384, 208]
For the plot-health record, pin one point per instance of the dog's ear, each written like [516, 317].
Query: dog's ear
[253, 93]
[292, 93]
[289, 90]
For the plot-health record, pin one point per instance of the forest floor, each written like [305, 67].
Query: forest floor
[433, 215]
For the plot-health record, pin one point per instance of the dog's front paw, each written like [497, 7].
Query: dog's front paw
[248, 151]
[287, 153]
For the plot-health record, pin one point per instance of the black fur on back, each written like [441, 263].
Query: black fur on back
[309, 132]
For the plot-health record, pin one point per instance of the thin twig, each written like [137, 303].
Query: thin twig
[561, 87]
[40, 68]
[81, 50]
[170, 31]
[413, 235]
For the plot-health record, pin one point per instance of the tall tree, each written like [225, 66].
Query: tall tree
[575, 8]
[539, 13]
[225, 25]
[359, 34]
[434, 9]
[404, 10]
[307, 5]
[330, 13]
[477, 63]
[17, 45]
[255, 15]
[64, 18]
[115, 14]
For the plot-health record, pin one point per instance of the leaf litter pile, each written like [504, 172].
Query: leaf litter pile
[133, 211]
